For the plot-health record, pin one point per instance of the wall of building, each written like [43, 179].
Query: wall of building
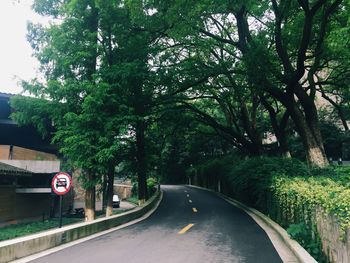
[15, 208]
[4, 152]
[20, 153]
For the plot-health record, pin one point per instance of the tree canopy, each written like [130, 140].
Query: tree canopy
[170, 82]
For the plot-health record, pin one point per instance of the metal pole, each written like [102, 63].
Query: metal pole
[60, 222]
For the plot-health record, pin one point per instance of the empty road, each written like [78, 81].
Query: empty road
[190, 225]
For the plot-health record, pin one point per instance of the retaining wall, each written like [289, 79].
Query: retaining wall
[335, 243]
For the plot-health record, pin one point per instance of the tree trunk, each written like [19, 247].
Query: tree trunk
[283, 147]
[279, 127]
[342, 117]
[92, 25]
[104, 192]
[141, 162]
[140, 126]
[90, 198]
[315, 155]
[110, 192]
[308, 128]
[282, 136]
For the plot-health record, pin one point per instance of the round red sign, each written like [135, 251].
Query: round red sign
[61, 183]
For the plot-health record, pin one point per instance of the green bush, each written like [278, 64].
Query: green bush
[151, 185]
[251, 180]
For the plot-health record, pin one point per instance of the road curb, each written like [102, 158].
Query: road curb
[50, 241]
[300, 253]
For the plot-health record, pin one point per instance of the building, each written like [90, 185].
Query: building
[27, 165]
[17, 206]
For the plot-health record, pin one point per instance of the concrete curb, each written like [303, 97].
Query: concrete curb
[25, 246]
[300, 253]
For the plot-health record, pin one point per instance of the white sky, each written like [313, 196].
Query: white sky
[16, 61]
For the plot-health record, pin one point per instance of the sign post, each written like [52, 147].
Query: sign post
[60, 216]
[61, 184]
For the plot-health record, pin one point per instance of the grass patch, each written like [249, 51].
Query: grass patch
[133, 199]
[24, 229]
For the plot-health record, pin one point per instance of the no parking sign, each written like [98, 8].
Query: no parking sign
[61, 183]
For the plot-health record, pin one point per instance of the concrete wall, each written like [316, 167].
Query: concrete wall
[16, 207]
[25, 246]
[123, 191]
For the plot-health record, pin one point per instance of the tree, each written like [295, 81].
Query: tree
[67, 52]
[281, 53]
[95, 61]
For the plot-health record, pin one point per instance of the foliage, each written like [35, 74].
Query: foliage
[333, 137]
[235, 64]
[161, 86]
[300, 233]
[208, 172]
[152, 184]
[97, 89]
[254, 176]
[151, 187]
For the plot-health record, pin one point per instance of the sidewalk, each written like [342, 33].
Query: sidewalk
[123, 205]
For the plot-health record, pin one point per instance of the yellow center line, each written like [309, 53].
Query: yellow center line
[190, 201]
[185, 229]
[194, 210]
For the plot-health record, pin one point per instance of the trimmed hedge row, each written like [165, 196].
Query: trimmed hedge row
[286, 190]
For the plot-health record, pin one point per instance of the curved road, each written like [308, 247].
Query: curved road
[190, 225]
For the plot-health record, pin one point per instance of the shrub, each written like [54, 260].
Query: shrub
[151, 185]
[208, 173]
[251, 180]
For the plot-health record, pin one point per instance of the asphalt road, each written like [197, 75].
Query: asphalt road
[190, 225]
